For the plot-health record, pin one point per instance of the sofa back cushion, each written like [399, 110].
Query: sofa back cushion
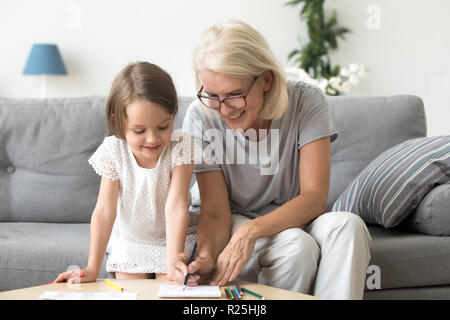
[45, 145]
[44, 148]
[367, 127]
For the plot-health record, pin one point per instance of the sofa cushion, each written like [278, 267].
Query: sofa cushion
[433, 214]
[44, 148]
[408, 259]
[367, 127]
[35, 253]
[392, 186]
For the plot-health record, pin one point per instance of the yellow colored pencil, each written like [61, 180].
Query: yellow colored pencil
[112, 284]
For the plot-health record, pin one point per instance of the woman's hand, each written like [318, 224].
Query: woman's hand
[77, 275]
[235, 255]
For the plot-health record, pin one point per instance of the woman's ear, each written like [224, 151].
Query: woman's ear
[268, 79]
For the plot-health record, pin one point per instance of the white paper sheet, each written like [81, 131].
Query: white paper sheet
[58, 295]
[176, 291]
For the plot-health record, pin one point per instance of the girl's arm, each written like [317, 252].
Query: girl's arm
[177, 214]
[213, 229]
[102, 222]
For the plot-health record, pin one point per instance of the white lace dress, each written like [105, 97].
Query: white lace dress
[137, 243]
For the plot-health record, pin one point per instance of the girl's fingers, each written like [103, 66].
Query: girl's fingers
[194, 266]
[181, 266]
[65, 276]
[74, 278]
[62, 277]
[192, 280]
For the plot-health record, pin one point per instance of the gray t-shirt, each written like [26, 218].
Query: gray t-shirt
[261, 175]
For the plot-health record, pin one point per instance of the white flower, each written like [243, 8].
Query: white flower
[346, 86]
[335, 82]
[353, 79]
[331, 91]
[362, 72]
[348, 77]
[298, 74]
[354, 67]
[345, 72]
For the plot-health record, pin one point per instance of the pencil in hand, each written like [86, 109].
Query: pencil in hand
[190, 261]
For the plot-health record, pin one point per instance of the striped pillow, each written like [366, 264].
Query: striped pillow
[392, 186]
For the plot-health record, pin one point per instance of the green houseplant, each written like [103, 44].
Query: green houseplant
[313, 57]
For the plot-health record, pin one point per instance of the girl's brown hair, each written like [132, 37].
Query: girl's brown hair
[138, 81]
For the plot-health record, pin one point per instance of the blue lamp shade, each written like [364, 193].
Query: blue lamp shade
[45, 59]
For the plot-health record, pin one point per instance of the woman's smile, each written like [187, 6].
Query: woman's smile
[236, 117]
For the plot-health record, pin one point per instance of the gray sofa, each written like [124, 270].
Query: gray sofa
[48, 190]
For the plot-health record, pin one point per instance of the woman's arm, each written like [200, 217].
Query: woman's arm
[102, 222]
[308, 205]
[177, 214]
[315, 159]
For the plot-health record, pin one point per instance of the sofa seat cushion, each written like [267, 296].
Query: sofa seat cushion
[35, 253]
[408, 259]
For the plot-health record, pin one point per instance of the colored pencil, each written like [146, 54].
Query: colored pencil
[253, 293]
[228, 294]
[240, 290]
[190, 260]
[237, 292]
[234, 294]
[112, 284]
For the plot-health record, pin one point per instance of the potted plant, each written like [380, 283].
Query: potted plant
[313, 63]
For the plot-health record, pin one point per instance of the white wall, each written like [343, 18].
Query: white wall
[408, 54]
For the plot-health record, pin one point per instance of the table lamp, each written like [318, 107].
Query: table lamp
[44, 59]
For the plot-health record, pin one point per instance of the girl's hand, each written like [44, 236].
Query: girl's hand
[171, 271]
[83, 275]
[235, 255]
[180, 270]
[199, 270]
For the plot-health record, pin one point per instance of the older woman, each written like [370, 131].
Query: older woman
[264, 219]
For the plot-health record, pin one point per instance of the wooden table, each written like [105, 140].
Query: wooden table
[147, 290]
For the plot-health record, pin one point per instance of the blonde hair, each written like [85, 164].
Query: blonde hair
[236, 49]
[138, 81]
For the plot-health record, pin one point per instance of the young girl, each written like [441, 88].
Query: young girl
[146, 168]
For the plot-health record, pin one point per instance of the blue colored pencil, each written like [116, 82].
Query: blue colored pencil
[190, 260]
[238, 294]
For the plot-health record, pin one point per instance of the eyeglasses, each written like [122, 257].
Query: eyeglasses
[234, 102]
